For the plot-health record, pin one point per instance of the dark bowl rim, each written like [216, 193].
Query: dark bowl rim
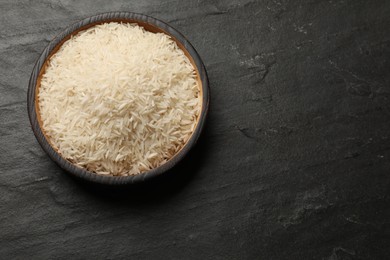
[82, 173]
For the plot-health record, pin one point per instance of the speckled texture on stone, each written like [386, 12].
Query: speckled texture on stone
[294, 162]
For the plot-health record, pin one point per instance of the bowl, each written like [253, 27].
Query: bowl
[150, 24]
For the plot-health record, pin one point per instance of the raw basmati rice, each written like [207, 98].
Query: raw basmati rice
[119, 100]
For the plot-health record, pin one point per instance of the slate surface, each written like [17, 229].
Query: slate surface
[294, 162]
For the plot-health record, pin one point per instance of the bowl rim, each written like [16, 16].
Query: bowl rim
[82, 173]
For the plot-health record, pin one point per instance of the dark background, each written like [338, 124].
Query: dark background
[294, 162]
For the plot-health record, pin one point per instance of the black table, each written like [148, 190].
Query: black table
[294, 162]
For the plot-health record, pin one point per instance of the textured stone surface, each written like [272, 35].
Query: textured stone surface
[294, 162]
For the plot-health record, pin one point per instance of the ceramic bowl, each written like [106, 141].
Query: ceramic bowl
[150, 24]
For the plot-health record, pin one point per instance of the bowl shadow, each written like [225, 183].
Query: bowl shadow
[157, 189]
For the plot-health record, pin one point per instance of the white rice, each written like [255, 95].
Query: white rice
[119, 100]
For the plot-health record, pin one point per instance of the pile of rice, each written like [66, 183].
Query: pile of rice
[119, 100]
